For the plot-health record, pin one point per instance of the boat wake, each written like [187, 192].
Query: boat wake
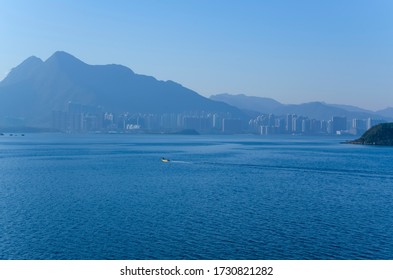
[181, 161]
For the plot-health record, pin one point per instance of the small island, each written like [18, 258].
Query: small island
[381, 134]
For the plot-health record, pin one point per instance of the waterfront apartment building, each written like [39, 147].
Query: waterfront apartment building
[338, 124]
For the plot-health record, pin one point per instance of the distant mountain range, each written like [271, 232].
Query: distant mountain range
[317, 110]
[32, 90]
[35, 88]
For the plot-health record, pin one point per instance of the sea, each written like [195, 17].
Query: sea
[109, 196]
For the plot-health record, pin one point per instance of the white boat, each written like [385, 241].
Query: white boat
[165, 159]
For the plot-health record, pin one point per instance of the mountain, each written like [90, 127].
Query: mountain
[317, 110]
[249, 103]
[388, 112]
[32, 90]
[351, 108]
[381, 134]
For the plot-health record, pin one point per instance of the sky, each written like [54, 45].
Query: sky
[336, 51]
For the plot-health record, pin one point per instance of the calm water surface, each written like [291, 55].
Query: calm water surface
[221, 197]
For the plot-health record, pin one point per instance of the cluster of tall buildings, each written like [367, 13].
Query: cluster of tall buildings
[294, 124]
[81, 118]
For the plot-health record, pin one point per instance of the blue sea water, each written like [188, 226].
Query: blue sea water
[220, 197]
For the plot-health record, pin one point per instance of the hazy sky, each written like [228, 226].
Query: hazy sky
[337, 51]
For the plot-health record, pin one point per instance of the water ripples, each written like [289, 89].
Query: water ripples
[112, 198]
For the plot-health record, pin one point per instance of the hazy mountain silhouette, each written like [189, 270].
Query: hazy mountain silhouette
[351, 108]
[388, 112]
[34, 88]
[249, 103]
[317, 110]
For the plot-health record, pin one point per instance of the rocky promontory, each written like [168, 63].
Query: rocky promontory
[381, 134]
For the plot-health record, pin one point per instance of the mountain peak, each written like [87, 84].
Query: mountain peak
[36, 92]
[23, 70]
[62, 55]
[63, 58]
[32, 60]
[29, 62]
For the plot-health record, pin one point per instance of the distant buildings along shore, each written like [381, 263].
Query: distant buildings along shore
[81, 118]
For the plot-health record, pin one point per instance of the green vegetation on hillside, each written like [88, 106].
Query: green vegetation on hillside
[381, 134]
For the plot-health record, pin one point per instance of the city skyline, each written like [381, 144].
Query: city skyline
[336, 52]
[81, 118]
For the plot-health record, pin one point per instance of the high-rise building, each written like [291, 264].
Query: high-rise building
[372, 122]
[338, 124]
[306, 126]
[59, 120]
[231, 125]
[289, 123]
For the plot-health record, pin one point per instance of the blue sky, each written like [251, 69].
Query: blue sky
[292, 51]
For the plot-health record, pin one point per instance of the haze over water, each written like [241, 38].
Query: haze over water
[220, 197]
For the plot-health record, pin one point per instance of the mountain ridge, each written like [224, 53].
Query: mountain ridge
[315, 109]
[33, 89]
